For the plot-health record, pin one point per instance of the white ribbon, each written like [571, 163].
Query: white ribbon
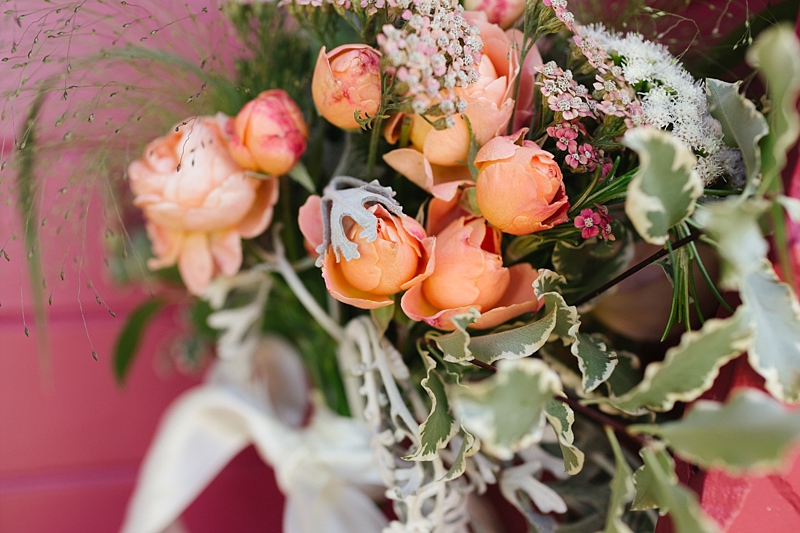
[321, 468]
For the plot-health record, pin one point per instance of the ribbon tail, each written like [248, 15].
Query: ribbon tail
[337, 508]
[201, 432]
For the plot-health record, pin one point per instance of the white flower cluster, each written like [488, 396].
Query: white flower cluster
[670, 97]
[435, 51]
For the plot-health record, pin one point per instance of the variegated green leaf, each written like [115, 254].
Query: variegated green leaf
[513, 343]
[664, 190]
[735, 228]
[561, 417]
[548, 281]
[591, 264]
[466, 449]
[456, 345]
[595, 360]
[680, 502]
[506, 411]
[774, 314]
[646, 484]
[753, 431]
[690, 368]
[776, 54]
[742, 124]
[622, 489]
[437, 430]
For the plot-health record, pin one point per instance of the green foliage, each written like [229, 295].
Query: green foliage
[689, 369]
[752, 432]
[466, 449]
[664, 190]
[506, 411]
[561, 417]
[440, 426]
[622, 489]
[673, 498]
[742, 125]
[129, 338]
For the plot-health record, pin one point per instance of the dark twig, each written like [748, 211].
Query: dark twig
[636, 268]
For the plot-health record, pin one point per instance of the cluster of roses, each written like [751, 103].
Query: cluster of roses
[201, 189]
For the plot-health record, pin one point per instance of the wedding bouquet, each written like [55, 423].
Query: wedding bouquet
[410, 230]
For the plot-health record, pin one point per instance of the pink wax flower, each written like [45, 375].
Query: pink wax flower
[390, 264]
[198, 201]
[346, 80]
[439, 156]
[467, 272]
[595, 223]
[269, 134]
[520, 188]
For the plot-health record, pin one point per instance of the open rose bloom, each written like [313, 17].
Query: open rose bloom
[198, 202]
[467, 272]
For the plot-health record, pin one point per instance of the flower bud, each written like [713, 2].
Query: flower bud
[504, 13]
[520, 189]
[346, 80]
[269, 134]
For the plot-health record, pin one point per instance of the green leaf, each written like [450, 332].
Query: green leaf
[680, 502]
[512, 343]
[466, 449]
[622, 489]
[664, 190]
[776, 54]
[774, 314]
[646, 483]
[130, 336]
[735, 228]
[561, 417]
[752, 432]
[591, 264]
[690, 368]
[299, 173]
[382, 317]
[742, 125]
[437, 430]
[473, 149]
[506, 411]
[595, 360]
[456, 345]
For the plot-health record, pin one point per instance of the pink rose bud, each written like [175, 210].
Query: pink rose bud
[520, 189]
[501, 12]
[198, 202]
[387, 265]
[269, 134]
[468, 272]
[347, 80]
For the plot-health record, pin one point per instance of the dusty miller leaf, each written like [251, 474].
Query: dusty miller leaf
[742, 124]
[347, 197]
[622, 489]
[561, 417]
[776, 54]
[752, 432]
[506, 411]
[690, 368]
[440, 426]
[664, 190]
[680, 502]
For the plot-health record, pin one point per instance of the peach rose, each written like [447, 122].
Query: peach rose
[520, 188]
[386, 266]
[198, 202]
[269, 133]
[468, 272]
[501, 12]
[438, 156]
[346, 80]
